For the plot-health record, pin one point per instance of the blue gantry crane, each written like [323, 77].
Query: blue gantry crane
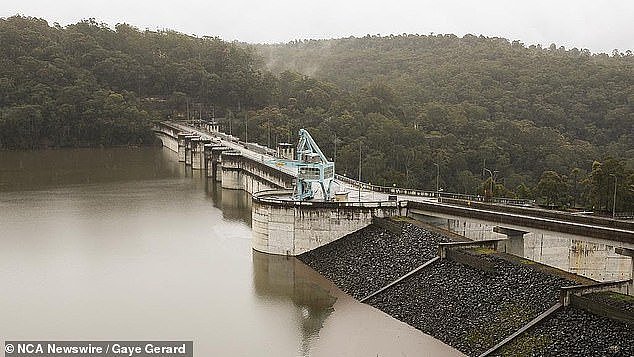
[312, 167]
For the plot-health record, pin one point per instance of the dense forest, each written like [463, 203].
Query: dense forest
[532, 114]
[545, 123]
[87, 84]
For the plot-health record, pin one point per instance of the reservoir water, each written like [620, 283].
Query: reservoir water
[127, 244]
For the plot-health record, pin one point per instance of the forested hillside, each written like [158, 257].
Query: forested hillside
[530, 113]
[87, 84]
[552, 124]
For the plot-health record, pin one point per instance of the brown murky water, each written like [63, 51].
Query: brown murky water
[125, 244]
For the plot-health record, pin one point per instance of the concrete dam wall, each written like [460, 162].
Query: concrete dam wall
[280, 225]
[295, 227]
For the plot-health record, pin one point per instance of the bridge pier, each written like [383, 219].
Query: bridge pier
[207, 159]
[181, 146]
[231, 167]
[188, 148]
[195, 153]
[198, 153]
[216, 161]
[629, 253]
[514, 244]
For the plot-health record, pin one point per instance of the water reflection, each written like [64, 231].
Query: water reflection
[34, 170]
[126, 244]
[288, 279]
[235, 204]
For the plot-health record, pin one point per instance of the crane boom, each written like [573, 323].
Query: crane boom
[312, 167]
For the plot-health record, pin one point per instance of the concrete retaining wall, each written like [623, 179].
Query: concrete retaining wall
[601, 309]
[292, 228]
[390, 225]
[473, 230]
[538, 222]
[537, 212]
[462, 257]
[621, 287]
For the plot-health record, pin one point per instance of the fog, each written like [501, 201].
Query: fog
[599, 26]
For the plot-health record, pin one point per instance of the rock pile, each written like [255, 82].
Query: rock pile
[370, 258]
[574, 332]
[468, 308]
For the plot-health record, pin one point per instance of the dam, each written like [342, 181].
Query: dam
[588, 246]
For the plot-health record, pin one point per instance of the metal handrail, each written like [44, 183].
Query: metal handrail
[424, 193]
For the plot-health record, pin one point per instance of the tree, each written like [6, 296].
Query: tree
[553, 188]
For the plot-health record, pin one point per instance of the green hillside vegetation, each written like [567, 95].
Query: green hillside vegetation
[87, 84]
[553, 124]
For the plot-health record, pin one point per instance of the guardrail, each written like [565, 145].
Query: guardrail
[282, 197]
[423, 193]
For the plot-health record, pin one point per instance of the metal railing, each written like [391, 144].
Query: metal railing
[431, 194]
[283, 196]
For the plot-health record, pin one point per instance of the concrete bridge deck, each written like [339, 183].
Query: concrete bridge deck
[226, 141]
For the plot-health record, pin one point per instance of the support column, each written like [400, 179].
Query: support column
[216, 161]
[181, 146]
[188, 148]
[630, 253]
[515, 242]
[196, 153]
[207, 158]
[231, 167]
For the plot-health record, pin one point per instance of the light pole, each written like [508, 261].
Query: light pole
[492, 173]
[437, 177]
[614, 203]
[359, 170]
[335, 159]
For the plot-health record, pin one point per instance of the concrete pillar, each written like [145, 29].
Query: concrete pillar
[630, 253]
[231, 167]
[514, 243]
[181, 146]
[216, 161]
[207, 156]
[188, 148]
[197, 152]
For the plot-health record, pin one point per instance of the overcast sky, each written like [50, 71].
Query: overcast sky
[599, 25]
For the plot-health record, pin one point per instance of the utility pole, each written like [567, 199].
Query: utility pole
[492, 174]
[614, 202]
[359, 170]
[335, 159]
[437, 177]
[484, 165]
[268, 126]
[246, 128]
